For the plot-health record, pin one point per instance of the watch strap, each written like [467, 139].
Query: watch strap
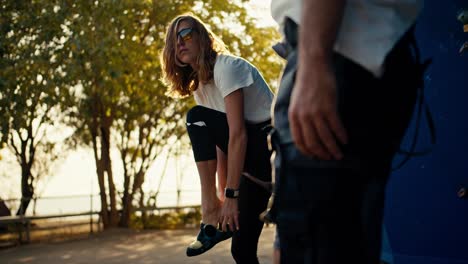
[231, 193]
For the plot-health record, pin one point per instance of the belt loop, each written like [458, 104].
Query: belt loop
[289, 43]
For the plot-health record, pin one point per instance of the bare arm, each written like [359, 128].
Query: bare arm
[320, 22]
[315, 125]
[236, 155]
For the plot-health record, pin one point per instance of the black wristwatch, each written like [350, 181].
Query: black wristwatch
[231, 193]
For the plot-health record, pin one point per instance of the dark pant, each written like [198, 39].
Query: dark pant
[332, 211]
[207, 129]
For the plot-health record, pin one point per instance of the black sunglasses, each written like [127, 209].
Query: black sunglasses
[185, 34]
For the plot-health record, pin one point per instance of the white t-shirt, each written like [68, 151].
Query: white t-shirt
[230, 74]
[369, 29]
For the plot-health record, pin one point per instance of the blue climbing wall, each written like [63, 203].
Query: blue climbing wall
[425, 221]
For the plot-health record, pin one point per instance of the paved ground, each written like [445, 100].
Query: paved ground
[130, 247]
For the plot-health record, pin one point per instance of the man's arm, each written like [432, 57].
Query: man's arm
[315, 124]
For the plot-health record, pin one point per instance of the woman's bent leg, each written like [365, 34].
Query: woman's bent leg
[207, 129]
[210, 203]
[221, 172]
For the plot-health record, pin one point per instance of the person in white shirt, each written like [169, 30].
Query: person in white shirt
[345, 100]
[228, 130]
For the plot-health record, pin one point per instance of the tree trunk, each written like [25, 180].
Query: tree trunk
[27, 179]
[144, 214]
[100, 172]
[105, 150]
[125, 217]
[127, 208]
[27, 189]
[102, 194]
[128, 201]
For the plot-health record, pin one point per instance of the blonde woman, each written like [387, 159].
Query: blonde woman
[228, 131]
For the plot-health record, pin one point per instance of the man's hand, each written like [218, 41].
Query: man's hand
[230, 215]
[315, 125]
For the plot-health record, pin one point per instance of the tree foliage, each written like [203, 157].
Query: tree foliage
[99, 64]
[31, 39]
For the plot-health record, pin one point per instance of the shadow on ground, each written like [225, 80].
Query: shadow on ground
[127, 246]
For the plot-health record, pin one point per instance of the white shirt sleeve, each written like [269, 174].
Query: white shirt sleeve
[232, 73]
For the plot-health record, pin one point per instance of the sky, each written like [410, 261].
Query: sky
[76, 174]
[261, 10]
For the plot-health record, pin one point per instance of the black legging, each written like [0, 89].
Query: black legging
[208, 128]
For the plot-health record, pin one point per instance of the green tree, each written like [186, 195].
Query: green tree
[146, 120]
[96, 56]
[31, 39]
[117, 99]
[120, 100]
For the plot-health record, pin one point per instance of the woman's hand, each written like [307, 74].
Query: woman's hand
[230, 215]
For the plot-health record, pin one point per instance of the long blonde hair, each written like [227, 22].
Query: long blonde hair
[180, 78]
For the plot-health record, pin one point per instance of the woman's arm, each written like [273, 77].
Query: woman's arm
[236, 154]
